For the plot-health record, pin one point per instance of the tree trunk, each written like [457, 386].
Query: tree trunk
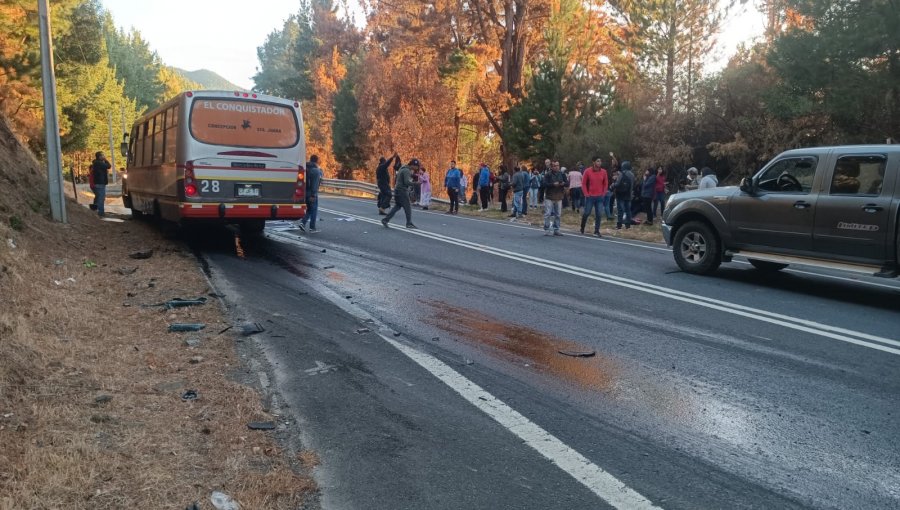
[670, 64]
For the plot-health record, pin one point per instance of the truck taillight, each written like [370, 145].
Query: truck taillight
[190, 188]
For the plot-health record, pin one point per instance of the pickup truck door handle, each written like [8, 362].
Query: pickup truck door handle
[872, 208]
[800, 204]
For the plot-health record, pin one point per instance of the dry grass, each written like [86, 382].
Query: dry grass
[70, 333]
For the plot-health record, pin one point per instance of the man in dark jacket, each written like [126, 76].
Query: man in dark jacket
[99, 171]
[622, 189]
[383, 178]
[555, 188]
[313, 179]
[402, 186]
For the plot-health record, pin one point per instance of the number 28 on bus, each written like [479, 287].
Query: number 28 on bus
[227, 157]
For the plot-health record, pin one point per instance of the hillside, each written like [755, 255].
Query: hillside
[208, 79]
[91, 382]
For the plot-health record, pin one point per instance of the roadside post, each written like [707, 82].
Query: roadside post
[51, 119]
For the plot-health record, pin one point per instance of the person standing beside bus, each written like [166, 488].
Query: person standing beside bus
[313, 179]
[99, 171]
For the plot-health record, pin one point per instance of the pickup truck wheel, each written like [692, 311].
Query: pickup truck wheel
[696, 248]
[764, 265]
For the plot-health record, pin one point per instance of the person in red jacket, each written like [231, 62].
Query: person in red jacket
[594, 185]
[659, 196]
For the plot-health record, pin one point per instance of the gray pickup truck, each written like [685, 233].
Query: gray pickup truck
[831, 207]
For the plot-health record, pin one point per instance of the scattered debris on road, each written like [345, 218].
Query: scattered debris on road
[251, 328]
[261, 425]
[363, 330]
[190, 395]
[578, 354]
[125, 271]
[141, 254]
[223, 501]
[178, 327]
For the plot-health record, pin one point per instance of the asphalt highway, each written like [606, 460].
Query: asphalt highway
[439, 368]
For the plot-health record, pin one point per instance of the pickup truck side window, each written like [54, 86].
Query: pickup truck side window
[790, 175]
[858, 175]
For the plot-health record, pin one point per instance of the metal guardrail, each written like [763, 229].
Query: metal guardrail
[363, 187]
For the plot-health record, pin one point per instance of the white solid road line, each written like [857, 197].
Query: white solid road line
[600, 482]
[639, 244]
[834, 332]
[592, 476]
[538, 228]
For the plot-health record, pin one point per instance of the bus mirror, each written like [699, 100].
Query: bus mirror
[124, 148]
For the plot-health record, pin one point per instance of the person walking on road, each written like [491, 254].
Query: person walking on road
[484, 185]
[595, 185]
[100, 172]
[623, 190]
[555, 189]
[383, 179]
[402, 186]
[453, 183]
[425, 182]
[313, 179]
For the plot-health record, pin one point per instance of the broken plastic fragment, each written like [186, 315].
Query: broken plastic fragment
[185, 326]
[251, 328]
[180, 302]
[190, 395]
[578, 354]
[261, 425]
[223, 501]
[142, 254]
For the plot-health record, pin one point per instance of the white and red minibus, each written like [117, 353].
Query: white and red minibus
[227, 157]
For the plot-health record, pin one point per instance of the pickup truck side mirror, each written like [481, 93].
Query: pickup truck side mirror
[748, 186]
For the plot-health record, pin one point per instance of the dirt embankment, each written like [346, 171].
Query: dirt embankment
[91, 382]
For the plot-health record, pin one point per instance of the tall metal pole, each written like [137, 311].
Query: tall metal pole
[51, 120]
[112, 148]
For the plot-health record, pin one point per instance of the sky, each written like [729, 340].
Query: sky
[222, 35]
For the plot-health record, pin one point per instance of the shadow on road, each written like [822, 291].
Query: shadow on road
[834, 290]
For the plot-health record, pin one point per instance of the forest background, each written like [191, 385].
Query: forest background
[502, 81]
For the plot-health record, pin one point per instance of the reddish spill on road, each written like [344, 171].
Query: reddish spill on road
[517, 343]
[335, 276]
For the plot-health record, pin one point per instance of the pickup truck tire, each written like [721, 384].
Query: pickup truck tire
[769, 267]
[696, 248]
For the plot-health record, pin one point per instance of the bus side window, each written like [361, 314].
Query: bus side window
[170, 134]
[159, 125]
[146, 143]
[132, 146]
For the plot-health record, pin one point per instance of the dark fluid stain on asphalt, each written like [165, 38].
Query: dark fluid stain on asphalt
[335, 276]
[521, 343]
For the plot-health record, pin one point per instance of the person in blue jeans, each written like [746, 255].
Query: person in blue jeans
[100, 173]
[313, 179]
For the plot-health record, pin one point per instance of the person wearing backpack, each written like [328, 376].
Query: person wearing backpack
[622, 190]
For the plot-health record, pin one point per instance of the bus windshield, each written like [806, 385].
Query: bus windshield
[244, 123]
